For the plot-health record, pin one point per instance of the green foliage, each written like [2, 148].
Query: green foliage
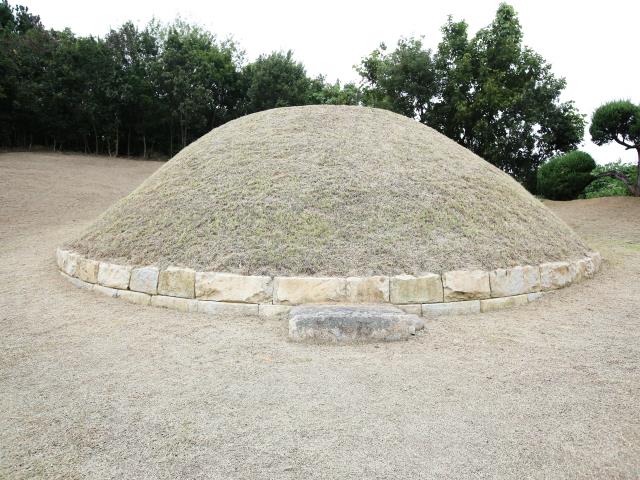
[564, 177]
[611, 187]
[151, 91]
[489, 93]
[276, 80]
[617, 121]
[199, 80]
[136, 91]
[322, 93]
[403, 81]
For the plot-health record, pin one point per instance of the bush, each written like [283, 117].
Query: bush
[565, 177]
[610, 187]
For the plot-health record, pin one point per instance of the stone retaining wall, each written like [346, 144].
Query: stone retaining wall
[456, 292]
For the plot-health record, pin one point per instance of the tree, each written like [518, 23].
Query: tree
[199, 79]
[618, 121]
[403, 81]
[24, 46]
[489, 93]
[323, 93]
[275, 80]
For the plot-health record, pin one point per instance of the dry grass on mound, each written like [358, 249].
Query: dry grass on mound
[329, 191]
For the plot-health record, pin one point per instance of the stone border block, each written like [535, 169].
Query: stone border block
[228, 309]
[301, 290]
[135, 297]
[144, 280]
[229, 287]
[175, 303]
[466, 285]
[114, 276]
[107, 291]
[408, 289]
[177, 282]
[500, 303]
[88, 270]
[454, 293]
[555, 275]
[368, 289]
[518, 280]
[69, 262]
[469, 307]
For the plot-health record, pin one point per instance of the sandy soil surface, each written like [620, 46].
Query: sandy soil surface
[93, 387]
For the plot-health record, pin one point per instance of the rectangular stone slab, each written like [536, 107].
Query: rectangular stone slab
[145, 280]
[301, 290]
[351, 324]
[177, 282]
[501, 303]
[466, 285]
[555, 275]
[88, 270]
[175, 303]
[514, 281]
[409, 289]
[229, 287]
[70, 262]
[368, 289]
[114, 276]
[469, 307]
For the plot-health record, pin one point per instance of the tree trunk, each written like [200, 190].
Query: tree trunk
[95, 133]
[633, 189]
[129, 142]
[638, 174]
[144, 146]
[183, 130]
[117, 140]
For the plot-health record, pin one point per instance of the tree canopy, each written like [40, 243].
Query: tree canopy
[618, 121]
[490, 93]
[138, 91]
[152, 90]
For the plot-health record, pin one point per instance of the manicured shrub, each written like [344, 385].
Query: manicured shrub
[564, 177]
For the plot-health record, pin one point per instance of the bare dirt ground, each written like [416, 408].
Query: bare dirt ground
[93, 387]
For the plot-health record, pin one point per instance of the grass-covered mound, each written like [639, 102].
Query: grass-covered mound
[329, 190]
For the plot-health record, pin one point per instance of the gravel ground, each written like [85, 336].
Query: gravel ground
[93, 387]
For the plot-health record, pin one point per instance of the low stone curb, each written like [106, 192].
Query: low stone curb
[458, 292]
